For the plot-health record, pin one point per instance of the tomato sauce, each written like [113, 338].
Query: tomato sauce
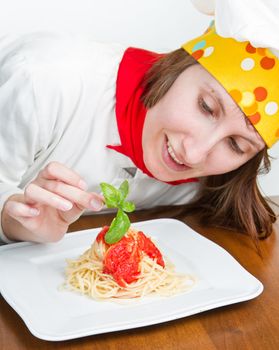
[122, 259]
[101, 234]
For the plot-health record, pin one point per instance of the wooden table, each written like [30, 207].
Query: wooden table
[249, 325]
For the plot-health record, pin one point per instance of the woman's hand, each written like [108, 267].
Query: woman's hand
[56, 198]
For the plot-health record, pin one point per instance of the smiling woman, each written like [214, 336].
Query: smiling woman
[201, 138]
[193, 124]
[223, 144]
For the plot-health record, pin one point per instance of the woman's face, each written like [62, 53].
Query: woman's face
[197, 130]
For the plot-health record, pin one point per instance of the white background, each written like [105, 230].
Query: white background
[152, 24]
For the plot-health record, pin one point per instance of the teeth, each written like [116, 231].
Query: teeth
[171, 152]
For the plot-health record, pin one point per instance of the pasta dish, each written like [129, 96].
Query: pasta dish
[131, 268]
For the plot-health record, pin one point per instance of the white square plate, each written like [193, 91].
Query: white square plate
[30, 276]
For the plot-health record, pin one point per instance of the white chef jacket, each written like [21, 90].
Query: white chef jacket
[57, 99]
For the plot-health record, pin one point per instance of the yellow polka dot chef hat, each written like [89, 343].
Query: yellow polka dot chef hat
[249, 74]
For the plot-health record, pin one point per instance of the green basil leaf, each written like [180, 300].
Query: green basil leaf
[123, 190]
[128, 207]
[111, 195]
[119, 226]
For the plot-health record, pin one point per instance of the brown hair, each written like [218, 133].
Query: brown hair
[232, 200]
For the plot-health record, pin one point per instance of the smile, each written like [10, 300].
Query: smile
[170, 158]
[171, 153]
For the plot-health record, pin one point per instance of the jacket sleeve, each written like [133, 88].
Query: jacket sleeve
[40, 89]
[19, 131]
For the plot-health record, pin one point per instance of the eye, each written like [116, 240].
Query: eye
[234, 146]
[205, 107]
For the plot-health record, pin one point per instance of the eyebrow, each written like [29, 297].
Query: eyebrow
[222, 105]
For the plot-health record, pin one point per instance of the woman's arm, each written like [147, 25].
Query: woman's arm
[43, 213]
[35, 93]
[19, 129]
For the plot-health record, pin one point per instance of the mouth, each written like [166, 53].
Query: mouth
[171, 153]
[171, 159]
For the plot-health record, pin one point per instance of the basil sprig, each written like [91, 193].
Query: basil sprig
[116, 198]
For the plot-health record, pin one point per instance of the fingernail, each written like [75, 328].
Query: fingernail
[96, 204]
[66, 205]
[34, 212]
[82, 185]
[63, 205]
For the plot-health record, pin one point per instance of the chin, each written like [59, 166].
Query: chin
[163, 173]
[164, 176]
[158, 174]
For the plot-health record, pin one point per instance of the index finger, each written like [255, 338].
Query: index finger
[60, 172]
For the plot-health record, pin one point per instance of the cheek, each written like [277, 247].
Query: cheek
[180, 121]
[173, 111]
[150, 134]
[224, 161]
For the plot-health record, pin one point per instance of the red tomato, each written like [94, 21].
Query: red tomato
[122, 261]
[150, 249]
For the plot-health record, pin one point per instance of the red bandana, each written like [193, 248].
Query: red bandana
[130, 111]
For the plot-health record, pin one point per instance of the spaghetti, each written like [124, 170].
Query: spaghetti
[130, 268]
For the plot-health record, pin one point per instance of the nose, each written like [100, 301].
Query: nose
[197, 149]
